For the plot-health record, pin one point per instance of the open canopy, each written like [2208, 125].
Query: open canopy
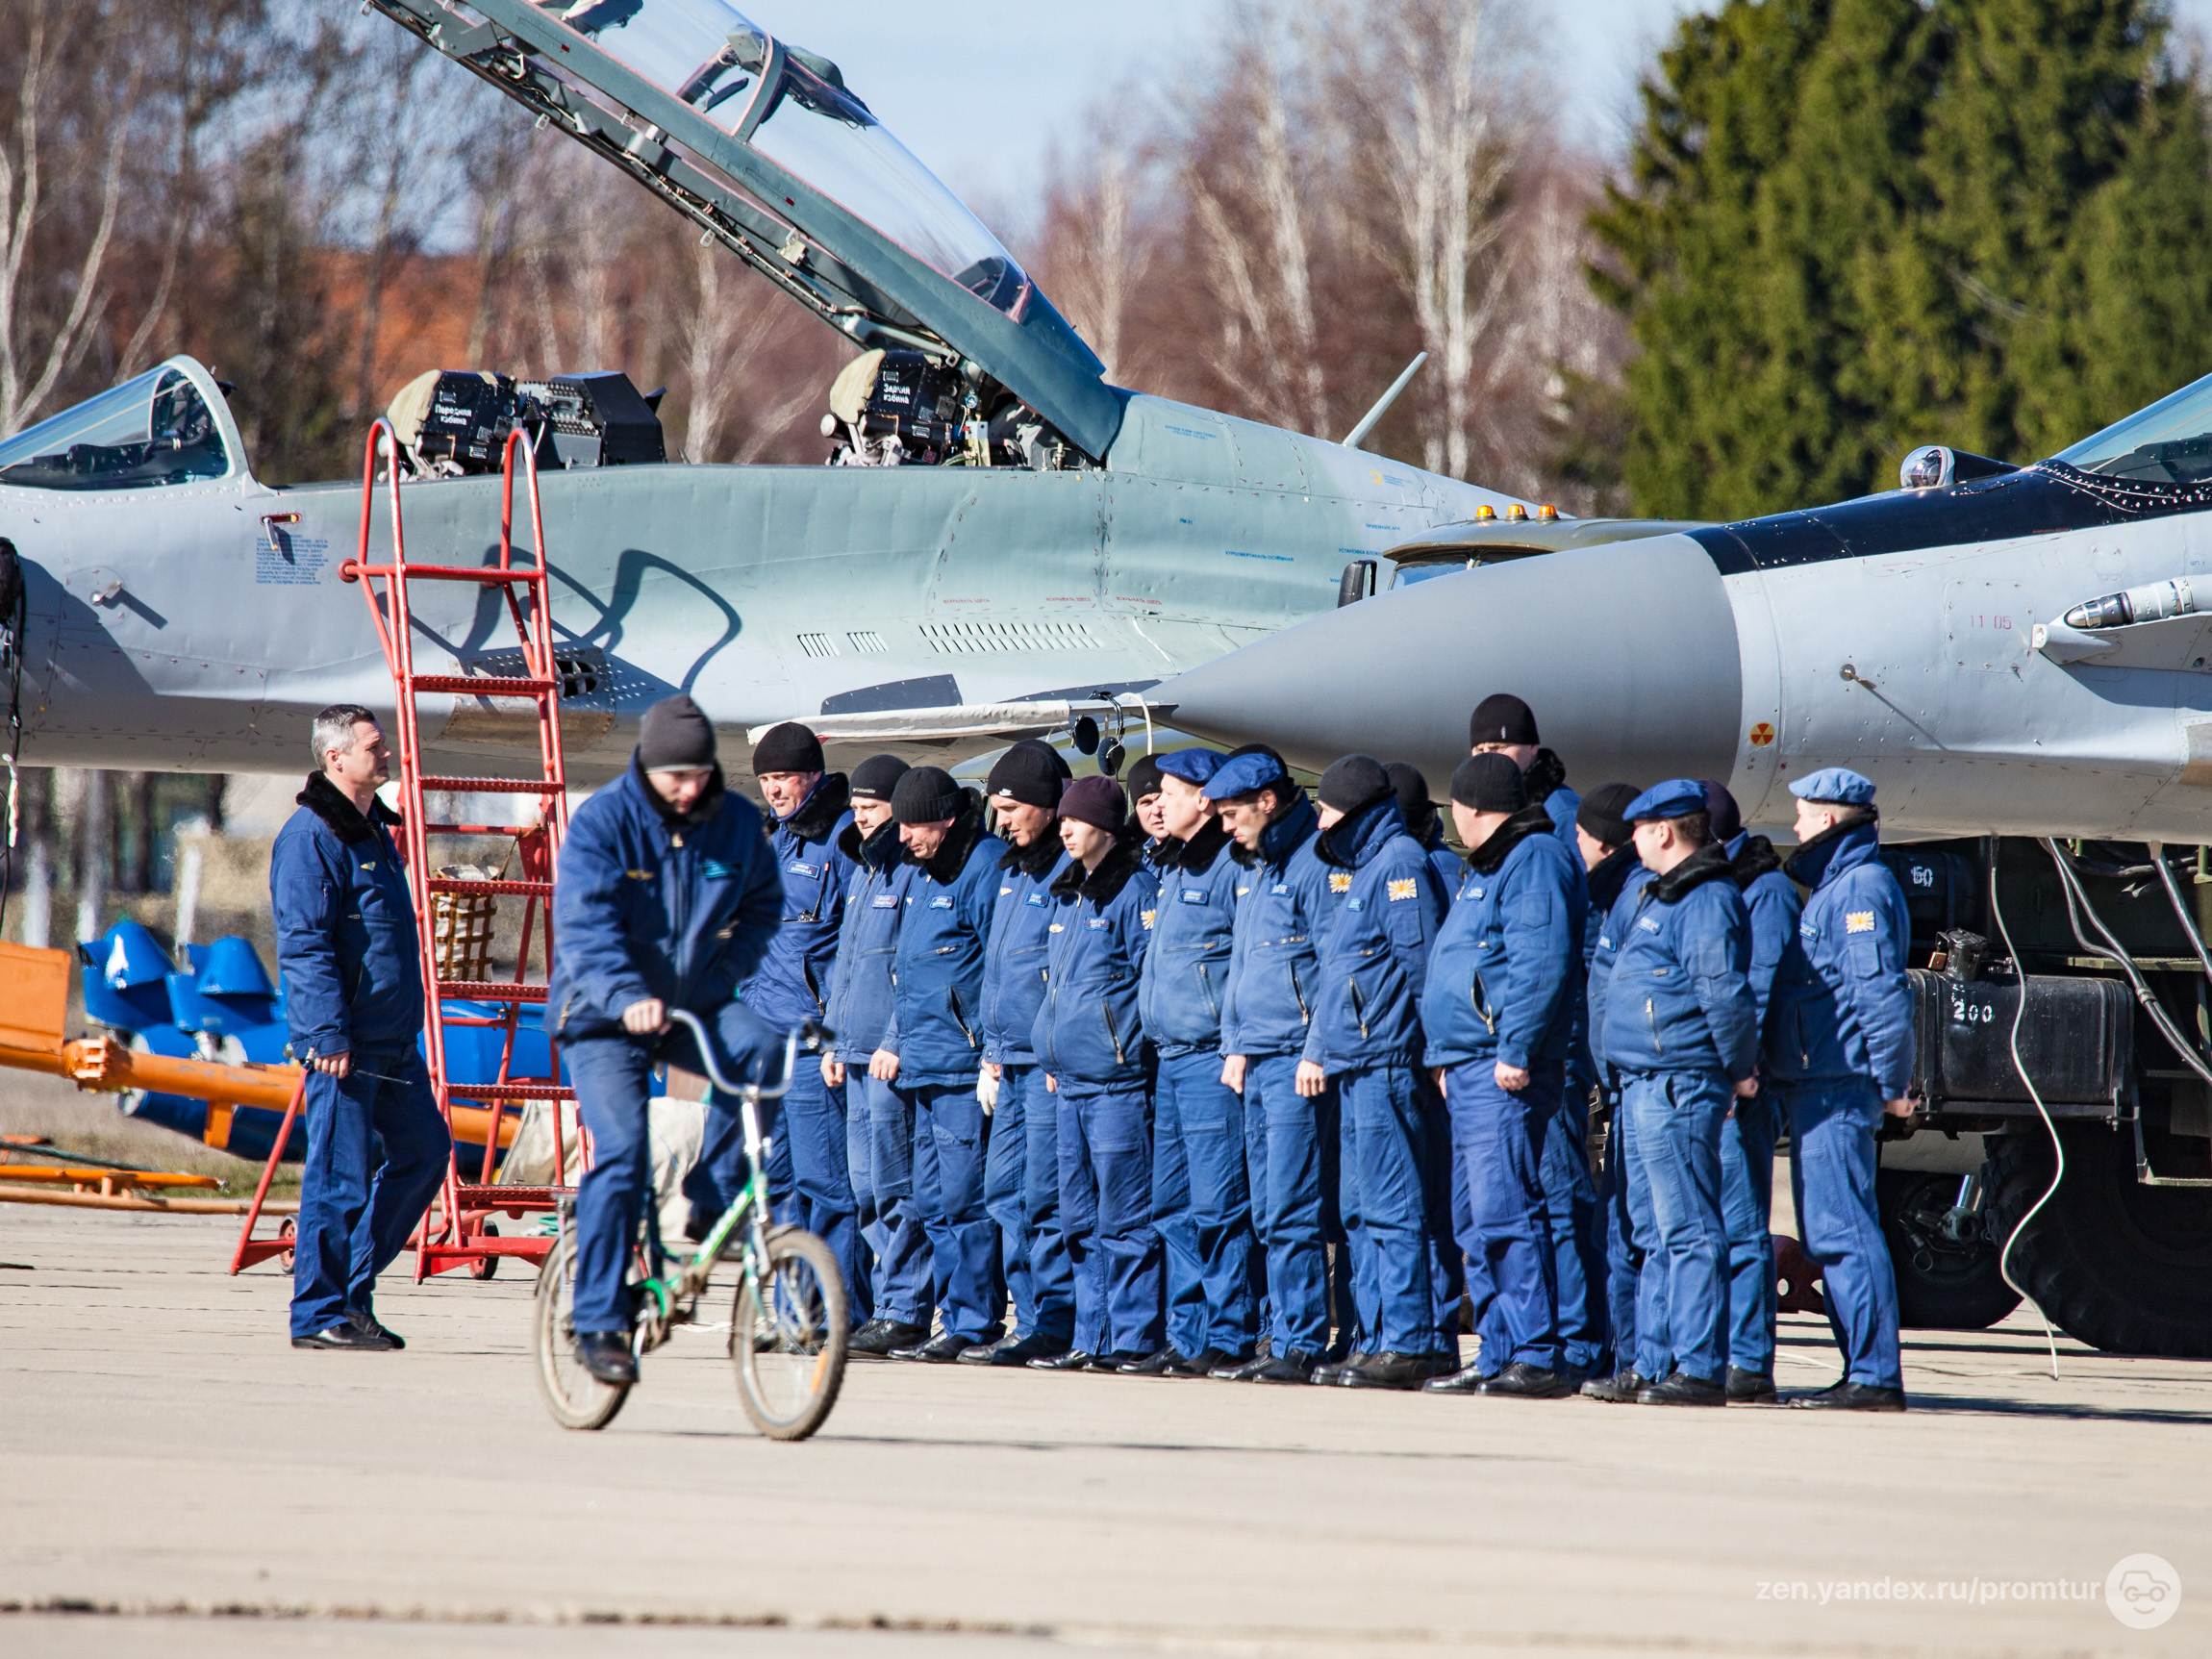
[167, 426]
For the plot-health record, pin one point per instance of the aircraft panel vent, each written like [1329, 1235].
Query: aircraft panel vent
[972, 639]
[867, 640]
[818, 644]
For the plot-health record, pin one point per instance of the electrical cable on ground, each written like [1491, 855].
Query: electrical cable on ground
[2057, 1147]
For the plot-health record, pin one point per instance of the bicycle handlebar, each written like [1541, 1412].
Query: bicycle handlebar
[810, 1033]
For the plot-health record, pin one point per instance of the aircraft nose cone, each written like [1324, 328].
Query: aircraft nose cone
[1627, 653]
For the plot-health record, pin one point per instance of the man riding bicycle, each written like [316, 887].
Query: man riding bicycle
[667, 898]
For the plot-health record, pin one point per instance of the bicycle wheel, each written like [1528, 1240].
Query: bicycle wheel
[576, 1398]
[789, 1338]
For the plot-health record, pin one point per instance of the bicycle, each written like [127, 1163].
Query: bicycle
[790, 1325]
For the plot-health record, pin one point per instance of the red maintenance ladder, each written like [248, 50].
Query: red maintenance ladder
[460, 1231]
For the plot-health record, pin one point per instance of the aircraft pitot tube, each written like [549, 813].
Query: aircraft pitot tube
[2152, 602]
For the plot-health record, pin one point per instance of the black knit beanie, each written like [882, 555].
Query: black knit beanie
[875, 777]
[927, 795]
[675, 736]
[1600, 813]
[1501, 718]
[789, 748]
[1144, 780]
[1029, 772]
[1354, 781]
[1488, 783]
[1413, 796]
[1097, 802]
[1721, 808]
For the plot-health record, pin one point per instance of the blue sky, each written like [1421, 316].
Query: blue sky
[1040, 73]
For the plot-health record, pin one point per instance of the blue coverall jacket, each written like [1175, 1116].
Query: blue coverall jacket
[1771, 899]
[1842, 1005]
[1284, 910]
[868, 939]
[937, 992]
[1014, 957]
[1186, 973]
[1547, 782]
[1088, 1032]
[793, 982]
[1375, 960]
[1449, 865]
[1505, 977]
[649, 904]
[346, 940]
[1678, 996]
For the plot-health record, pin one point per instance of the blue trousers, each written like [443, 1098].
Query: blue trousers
[1296, 1178]
[819, 1139]
[951, 1139]
[1021, 1190]
[1391, 1162]
[1832, 1128]
[1682, 1299]
[882, 1190]
[376, 1151]
[1626, 1202]
[713, 1184]
[1106, 1217]
[1499, 1138]
[614, 1079]
[1746, 1204]
[1202, 1207]
[1578, 1260]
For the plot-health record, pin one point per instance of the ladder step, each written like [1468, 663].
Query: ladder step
[446, 573]
[489, 990]
[492, 786]
[482, 687]
[517, 1090]
[528, 889]
[481, 1197]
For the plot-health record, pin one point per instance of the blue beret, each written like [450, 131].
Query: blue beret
[1244, 775]
[1839, 784]
[1677, 797]
[1191, 766]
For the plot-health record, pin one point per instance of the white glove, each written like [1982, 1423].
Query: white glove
[987, 1088]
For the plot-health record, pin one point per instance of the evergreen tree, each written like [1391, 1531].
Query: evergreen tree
[1850, 226]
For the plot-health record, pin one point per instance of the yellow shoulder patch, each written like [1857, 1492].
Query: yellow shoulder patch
[1858, 922]
[1402, 889]
[1340, 881]
[1057, 928]
[1148, 916]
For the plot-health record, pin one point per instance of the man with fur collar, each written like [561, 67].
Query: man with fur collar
[1504, 724]
[932, 1051]
[352, 963]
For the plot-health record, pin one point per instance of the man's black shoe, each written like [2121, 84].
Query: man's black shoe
[879, 1337]
[1151, 1364]
[607, 1356]
[1621, 1388]
[1749, 1387]
[1067, 1360]
[1390, 1370]
[346, 1338]
[1521, 1381]
[1033, 1346]
[979, 1353]
[939, 1350]
[1467, 1381]
[1247, 1370]
[1294, 1367]
[1330, 1373]
[367, 1321]
[1853, 1396]
[1117, 1362]
[1202, 1364]
[1683, 1389]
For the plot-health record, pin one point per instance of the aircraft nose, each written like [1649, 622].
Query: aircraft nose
[1627, 652]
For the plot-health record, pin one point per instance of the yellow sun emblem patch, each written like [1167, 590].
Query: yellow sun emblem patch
[1404, 888]
[1148, 916]
[1340, 881]
[1858, 922]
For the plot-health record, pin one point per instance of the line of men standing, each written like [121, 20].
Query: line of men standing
[1247, 1085]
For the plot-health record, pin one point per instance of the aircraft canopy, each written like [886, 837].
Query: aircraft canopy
[2169, 442]
[161, 427]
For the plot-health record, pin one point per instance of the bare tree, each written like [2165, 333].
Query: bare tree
[1097, 245]
[38, 861]
[93, 851]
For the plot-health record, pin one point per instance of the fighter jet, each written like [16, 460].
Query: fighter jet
[1006, 544]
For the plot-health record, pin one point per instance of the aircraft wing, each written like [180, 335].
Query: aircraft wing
[762, 145]
[1006, 722]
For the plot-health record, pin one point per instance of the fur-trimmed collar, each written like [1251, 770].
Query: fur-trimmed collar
[952, 856]
[1808, 866]
[1753, 858]
[1490, 857]
[1708, 863]
[818, 813]
[878, 851]
[708, 803]
[1103, 885]
[1036, 859]
[1197, 854]
[1545, 773]
[347, 821]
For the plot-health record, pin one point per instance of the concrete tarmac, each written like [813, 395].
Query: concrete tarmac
[178, 1480]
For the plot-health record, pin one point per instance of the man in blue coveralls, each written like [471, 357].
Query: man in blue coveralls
[1021, 1178]
[1201, 1195]
[1680, 1025]
[791, 986]
[1840, 1052]
[667, 896]
[1499, 1012]
[1367, 1007]
[1272, 1054]
[1747, 1138]
[352, 963]
[932, 1051]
